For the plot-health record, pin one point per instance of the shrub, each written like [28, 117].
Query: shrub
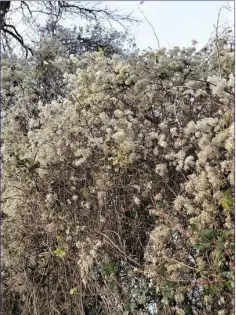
[119, 194]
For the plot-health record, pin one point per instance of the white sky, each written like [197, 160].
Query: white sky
[176, 23]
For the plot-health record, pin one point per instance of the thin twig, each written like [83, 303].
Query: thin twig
[217, 39]
[158, 43]
[113, 244]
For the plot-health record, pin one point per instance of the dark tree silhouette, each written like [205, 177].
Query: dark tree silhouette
[56, 10]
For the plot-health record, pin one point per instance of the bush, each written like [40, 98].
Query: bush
[119, 193]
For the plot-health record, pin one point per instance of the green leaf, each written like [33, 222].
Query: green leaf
[112, 285]
[228, 274]
[226, 233]
[109, 269]
[221, 245]
[208, 245]
[228, 200]
[73, 291]
[229, 285]
[127, 309]
[192, 227]
[197, 247]
[209, 233]
[132, 306]
[188, 310]
[232, 248]
[60, 252]
[229, 192]
[59, 238]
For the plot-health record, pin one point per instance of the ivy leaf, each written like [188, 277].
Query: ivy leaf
[228, 274]
[197, 247]
[229, 200]
[226, 233]
[127, 310]
[209, 233]
[109, 269]
[192, 227]
[188, 310]
[230, 285]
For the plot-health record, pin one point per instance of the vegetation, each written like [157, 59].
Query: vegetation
[118, 181]
[31, 12]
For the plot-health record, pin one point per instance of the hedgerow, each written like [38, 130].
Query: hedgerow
[118, 192]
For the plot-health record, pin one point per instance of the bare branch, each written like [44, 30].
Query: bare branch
[93, 13]
[18, 37]
[27, 6]
[154, 32]
[217, 37]
[59, 9]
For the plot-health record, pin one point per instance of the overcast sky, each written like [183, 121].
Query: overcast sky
[176, 23]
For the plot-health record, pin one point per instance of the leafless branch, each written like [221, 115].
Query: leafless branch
[154, 32]
[217, 37]
[27, 6]
[57, 10]
[17, 36]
